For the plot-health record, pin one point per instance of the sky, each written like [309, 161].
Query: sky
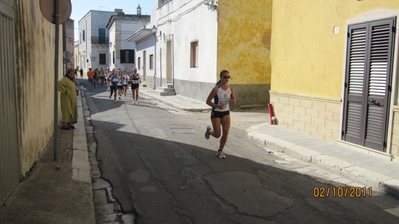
[81, 7]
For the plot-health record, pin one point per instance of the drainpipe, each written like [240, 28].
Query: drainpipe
[154, 31]
[57, 40]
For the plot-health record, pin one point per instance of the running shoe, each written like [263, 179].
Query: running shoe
[115, 101]
[119, 97]
[137, 101]
[220, 154]
[207, 134]
[133, 102]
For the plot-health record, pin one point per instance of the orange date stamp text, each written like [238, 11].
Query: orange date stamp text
[342, 192]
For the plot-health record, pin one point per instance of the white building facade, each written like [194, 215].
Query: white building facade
[186, 46]
[121, 52]
[94, 40]
[76, 55]
[144, 40]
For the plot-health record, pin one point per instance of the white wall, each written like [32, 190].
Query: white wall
[119, 32]
[146, 45]
[90, 24]
[112, 31]
[201, 22]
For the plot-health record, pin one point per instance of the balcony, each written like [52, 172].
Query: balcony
[99, 40]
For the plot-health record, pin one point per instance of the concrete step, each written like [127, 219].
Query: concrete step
[168, 93]
[169, 90]
[170, 86]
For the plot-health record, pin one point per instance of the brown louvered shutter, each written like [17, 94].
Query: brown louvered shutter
[367, 86]
[356, 66]
[379, 83]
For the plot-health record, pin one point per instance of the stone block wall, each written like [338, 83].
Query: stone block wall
[316, 116]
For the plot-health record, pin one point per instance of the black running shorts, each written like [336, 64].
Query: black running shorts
[218, 114]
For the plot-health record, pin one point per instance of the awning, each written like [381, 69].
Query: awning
[140, 35]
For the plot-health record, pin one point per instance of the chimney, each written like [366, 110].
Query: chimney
[139, 10]
[119, 11]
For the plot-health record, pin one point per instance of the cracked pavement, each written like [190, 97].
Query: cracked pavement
[163, 170]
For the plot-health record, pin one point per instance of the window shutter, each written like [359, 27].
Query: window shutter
[381, 36]
[367, 87]
[355, 78]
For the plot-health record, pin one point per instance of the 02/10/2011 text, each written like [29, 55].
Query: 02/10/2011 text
[342, 192]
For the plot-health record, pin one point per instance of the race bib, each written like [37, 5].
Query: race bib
[225, 102]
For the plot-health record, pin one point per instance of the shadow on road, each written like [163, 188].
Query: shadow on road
[165, 181]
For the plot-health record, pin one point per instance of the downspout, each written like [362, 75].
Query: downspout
[57, 40]
[155, 61]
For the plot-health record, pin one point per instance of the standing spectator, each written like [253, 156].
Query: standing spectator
[69, 107]
[81, 73]
[90, 76]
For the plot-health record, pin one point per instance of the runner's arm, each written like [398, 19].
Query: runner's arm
[212, 94]
[233, 96]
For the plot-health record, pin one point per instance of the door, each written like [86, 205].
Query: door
[169, 62]
[10, 172]
[144, 65]
[368, 83]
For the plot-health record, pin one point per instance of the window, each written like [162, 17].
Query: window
[101, 35]
[102, 59]
[127, 56]
[194, 54]
[151, 61]
[139, 63]
[83, 35]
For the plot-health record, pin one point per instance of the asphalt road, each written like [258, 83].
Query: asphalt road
[163, 169]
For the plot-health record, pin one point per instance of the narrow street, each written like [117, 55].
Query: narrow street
[163, 170]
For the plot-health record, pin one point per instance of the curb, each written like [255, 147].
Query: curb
[80, 160]
[81, 170]
[107, 208]
[372, 179]
[175, 105]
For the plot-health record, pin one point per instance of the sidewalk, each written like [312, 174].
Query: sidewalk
[177, 101]
[357, 165]
[371, 170]
[50, 195]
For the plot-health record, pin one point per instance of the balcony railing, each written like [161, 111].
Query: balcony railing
[99, 40]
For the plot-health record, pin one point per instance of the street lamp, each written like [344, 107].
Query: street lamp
[154, 31]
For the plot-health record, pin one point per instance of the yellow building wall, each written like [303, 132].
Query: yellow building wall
[307, 57]
[35, 79]
[308, 61]
[244, 31]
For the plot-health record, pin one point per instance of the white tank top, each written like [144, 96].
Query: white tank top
[126, 79]
[222, 97]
